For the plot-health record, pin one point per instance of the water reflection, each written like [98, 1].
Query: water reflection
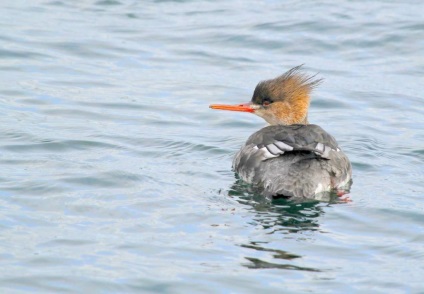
[281, 216]
[256, 263]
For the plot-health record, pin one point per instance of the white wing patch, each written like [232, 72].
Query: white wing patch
[278, 148]
[264, 153]
[283, 146]
[324, 150]
[275, 149]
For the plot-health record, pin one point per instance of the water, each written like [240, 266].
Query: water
[116, 177]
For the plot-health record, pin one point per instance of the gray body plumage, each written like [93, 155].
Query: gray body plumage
[300, 161]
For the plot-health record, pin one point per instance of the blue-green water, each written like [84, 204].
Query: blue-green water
[116, 177]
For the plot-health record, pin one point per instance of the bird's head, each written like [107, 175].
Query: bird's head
[283, 100]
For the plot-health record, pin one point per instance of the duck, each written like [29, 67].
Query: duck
[290, 157]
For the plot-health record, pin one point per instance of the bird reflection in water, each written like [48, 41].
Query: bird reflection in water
[278, 214]
[282, 216]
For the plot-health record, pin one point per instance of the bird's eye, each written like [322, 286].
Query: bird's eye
[266, 101]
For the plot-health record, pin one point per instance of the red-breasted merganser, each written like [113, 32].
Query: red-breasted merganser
[290, 157]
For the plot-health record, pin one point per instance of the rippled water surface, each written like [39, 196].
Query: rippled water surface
[116, 177]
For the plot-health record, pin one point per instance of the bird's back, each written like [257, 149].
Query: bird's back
[301, 161]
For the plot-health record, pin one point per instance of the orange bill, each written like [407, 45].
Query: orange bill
[246, 107]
